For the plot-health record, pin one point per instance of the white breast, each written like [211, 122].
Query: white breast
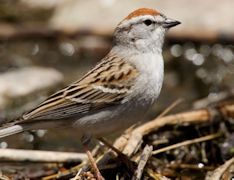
[149, 82]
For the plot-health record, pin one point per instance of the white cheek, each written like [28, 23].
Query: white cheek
[158, 33]
[139, 32]
[158, 37]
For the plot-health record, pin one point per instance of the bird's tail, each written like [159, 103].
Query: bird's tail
[7, 131]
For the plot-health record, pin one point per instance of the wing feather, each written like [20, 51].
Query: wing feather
[106, 85]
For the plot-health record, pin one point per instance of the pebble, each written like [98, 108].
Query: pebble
[22, 85]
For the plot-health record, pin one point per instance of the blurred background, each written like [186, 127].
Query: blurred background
[46, 44]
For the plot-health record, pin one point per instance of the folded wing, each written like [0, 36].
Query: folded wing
[106, 85]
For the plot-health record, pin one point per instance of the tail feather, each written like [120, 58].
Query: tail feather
[7, 131]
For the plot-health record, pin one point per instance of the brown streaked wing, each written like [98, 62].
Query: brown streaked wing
[102, 87]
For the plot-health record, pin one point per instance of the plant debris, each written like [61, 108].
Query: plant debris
[189, 145]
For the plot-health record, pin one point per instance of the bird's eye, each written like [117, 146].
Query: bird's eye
[148, 22]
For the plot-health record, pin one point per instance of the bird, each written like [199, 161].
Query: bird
[117, 92]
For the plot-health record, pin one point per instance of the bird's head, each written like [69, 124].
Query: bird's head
[143, 29]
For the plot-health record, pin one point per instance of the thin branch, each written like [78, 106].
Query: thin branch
[168, 109]
[135, 139]
[186, 143]
[219, 172]
[192, 117]
[65, 173]
[155, 175]
[142, 162]
[16, 155]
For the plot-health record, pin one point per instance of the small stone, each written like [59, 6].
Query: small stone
[19, 87]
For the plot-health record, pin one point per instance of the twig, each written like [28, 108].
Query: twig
[219, 172]
[118, 144]
[192, 117]
[121, 142]
[143, 160]
[62, 174]
[155, 175]
[197, 116]
[16, 155]
[77, 177]
[106, 143]
[135, 139]
[188, 142]
[169, 108]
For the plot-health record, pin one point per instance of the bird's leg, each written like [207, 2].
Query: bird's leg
[130, 164]
[106, 143]
[85, 140]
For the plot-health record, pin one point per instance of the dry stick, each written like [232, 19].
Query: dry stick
[65, 173]
[155, 175]
[135, 139]
[188, 142]
[218, 173]
[77, 176]
[118, 144]
[169, 108]
[75, 169]
[143, 160]
[192, 117]
[93, 165]
[106, 143]
[123, 139]
[16, 155]
[197, 116]
[121, 142]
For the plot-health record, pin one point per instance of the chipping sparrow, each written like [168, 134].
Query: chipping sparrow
[118, 91]
[114, 94]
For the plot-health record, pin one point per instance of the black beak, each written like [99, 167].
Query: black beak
[168, 23]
